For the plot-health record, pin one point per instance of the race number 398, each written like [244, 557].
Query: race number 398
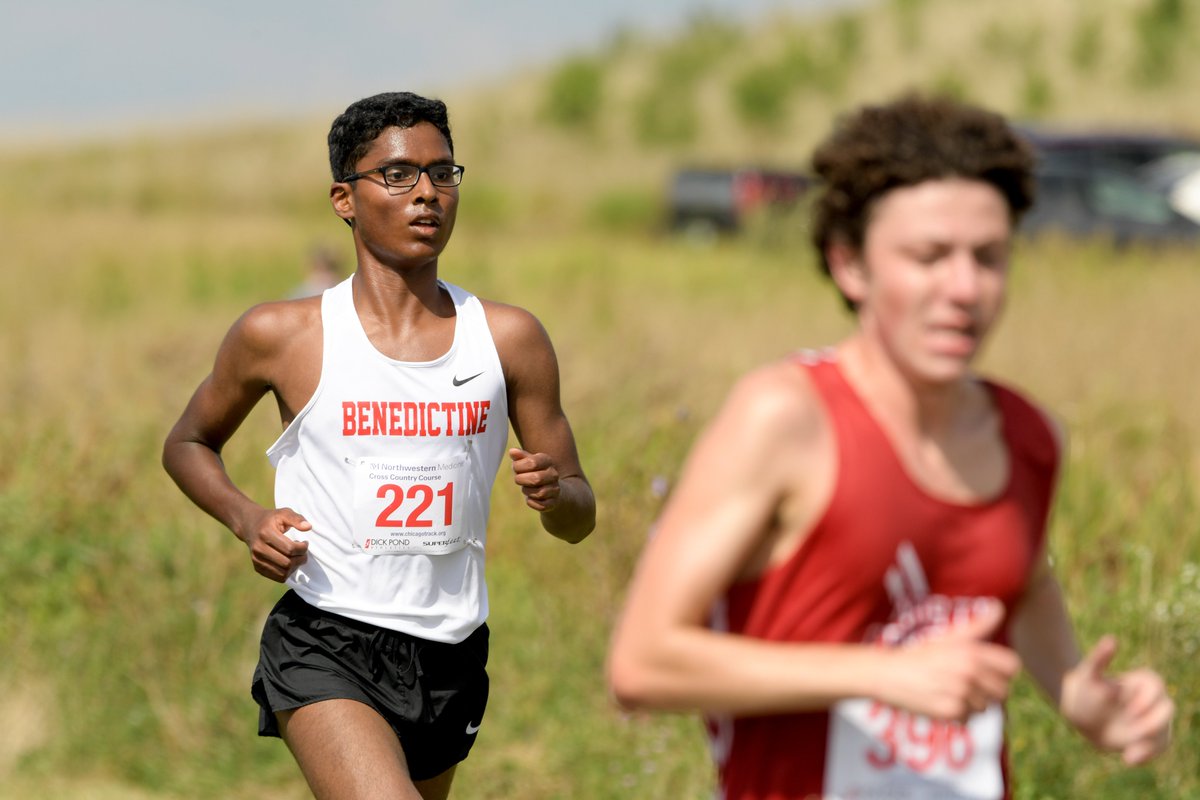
[878, 751]
[919, 743]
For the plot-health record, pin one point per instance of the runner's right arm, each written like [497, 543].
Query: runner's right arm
[242, 374]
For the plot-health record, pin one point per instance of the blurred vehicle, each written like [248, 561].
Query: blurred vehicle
[1106, 148]
[1104, 183]
[707, 202]
[1178, 177]
[1104, 200]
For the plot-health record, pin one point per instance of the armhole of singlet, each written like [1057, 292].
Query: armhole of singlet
[1008, 398]
[811, 363]
[485, 329]
[808, 362]
[290, 432]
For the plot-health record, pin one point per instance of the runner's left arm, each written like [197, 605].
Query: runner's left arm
[1042, 633]
[1128, 712]
[547, 465]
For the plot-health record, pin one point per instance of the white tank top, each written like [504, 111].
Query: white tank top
[393, 463]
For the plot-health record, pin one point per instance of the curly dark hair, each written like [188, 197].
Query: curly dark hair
[906, 142]
[355, 128]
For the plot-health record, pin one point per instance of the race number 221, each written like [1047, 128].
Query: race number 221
[418, 501]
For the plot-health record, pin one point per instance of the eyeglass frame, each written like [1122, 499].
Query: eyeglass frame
[459, 171]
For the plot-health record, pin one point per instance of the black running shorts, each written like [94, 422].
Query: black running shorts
[432, 694]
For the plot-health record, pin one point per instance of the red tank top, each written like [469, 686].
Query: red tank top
[853, 579]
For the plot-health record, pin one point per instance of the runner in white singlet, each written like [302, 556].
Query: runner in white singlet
[395, 391]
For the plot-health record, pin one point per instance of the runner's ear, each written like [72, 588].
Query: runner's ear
[847, 269]
[342, 201]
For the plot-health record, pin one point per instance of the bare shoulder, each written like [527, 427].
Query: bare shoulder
[276, 344]
[772, 425]
[753, 482]
[271, 328]
[512, 324]
[774, 441]
[776, 402]
[522, 343]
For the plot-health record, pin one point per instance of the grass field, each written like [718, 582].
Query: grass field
[133, 618]
[130, 621]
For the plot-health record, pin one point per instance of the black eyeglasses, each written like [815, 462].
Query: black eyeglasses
[406, 176]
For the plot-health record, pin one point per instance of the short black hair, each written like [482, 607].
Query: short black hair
[355, 128]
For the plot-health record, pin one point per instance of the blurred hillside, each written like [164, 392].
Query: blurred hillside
[599, 131]
[593, 138]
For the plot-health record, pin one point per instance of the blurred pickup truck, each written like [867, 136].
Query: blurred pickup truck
[707, 202]
[1107, 148]
[1101, 201]
[1100, 183]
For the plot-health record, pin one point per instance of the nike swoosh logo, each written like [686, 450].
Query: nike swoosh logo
[472, 729]
[460, 381]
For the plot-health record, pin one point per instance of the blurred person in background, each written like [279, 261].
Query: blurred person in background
[853, 567]
[324, 272]
[395, 390]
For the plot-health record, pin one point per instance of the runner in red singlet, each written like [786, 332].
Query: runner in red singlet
[852, 569]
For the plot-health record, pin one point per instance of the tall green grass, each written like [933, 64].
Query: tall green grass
[134, 618]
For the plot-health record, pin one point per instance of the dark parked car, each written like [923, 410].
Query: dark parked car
[1093, 183]
[1108, 148]
[720, 200]
[1105, 201]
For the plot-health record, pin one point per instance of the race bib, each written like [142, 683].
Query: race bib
[877, 752]
[406, 507]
